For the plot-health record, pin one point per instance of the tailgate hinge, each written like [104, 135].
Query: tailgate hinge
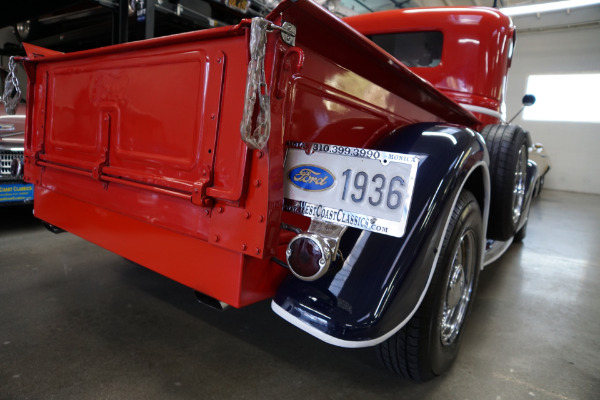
[103, 161]
[105, 125]
[199, 196]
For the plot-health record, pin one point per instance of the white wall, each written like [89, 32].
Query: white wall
[573, 147]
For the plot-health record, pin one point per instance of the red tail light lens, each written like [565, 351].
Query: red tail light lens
[308, 256]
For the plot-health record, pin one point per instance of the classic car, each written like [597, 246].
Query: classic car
[538, 155]
[12, 137]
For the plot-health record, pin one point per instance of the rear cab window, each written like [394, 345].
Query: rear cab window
[413, 49]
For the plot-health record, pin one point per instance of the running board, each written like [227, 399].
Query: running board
[494, 249]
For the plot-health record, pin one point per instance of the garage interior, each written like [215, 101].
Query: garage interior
[79, 322]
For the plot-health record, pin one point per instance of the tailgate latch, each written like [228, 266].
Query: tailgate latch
[288, 32]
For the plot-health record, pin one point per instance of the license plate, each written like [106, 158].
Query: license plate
[16, 192]
[361, 188]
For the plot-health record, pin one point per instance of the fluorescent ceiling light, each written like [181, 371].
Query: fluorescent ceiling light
[545, 7]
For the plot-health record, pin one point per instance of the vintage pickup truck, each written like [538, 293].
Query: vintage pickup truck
[361, 186]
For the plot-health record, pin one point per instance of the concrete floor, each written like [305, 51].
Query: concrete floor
[78, 322]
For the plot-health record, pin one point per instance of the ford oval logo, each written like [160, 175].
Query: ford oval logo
[311, 178]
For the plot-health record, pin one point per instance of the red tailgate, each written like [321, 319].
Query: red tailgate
[137, 148]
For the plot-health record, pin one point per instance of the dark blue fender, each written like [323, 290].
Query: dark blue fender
[382, 280]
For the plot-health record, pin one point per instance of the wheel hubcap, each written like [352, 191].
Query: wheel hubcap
[519, 185]
[458, 289]
[456, 286]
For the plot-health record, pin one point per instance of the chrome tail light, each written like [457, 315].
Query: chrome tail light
[310, 254]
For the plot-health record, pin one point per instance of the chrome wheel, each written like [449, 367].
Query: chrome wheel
[459, 288]
[429, 343]
[519, 185]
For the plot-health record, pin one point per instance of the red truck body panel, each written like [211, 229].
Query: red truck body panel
[137, 147]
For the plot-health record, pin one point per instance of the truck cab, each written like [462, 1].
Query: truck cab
[465, 52]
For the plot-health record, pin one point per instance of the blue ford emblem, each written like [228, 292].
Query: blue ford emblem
[311, 178]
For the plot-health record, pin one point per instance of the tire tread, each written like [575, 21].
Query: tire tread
[503, 143]
[402, 353]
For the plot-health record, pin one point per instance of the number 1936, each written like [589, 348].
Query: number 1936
[376, 190]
